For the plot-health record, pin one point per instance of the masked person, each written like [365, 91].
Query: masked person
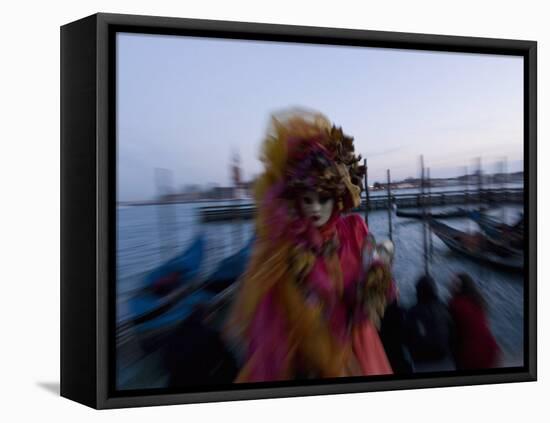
[312, 295]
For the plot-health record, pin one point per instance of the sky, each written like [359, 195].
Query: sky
[190, 104]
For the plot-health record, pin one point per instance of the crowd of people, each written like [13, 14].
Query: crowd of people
[437, 336]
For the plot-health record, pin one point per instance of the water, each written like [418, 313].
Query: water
[148, 235]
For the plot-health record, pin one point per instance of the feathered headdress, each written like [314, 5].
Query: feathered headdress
[304, 151]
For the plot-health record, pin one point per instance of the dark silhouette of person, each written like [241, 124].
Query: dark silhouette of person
[429, 324]
[393, 336]
[197, 355]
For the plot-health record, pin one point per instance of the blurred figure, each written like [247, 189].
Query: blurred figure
[393, 336]
[429, 328]
[392, 327]
[196, 354]
[306, 307]
[474, 346]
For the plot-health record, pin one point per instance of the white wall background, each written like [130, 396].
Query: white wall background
[29, 234]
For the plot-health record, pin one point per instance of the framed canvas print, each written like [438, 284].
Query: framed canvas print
[257, 211]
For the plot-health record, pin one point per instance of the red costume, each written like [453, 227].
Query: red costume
[475, 346]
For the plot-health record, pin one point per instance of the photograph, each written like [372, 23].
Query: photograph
[294, 213]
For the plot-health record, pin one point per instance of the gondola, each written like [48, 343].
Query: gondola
[209, 354]
[499, 232]
[151, 311]
[166, 285]
[198, 315]
[174, 272]
[477, 247]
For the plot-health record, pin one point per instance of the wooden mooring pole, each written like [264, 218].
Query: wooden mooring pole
[424, 222]
[505, 184]
[430, 239]
[367, 199]
[389, 205]
[479, 183]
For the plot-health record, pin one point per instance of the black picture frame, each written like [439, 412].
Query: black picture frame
[88, 196]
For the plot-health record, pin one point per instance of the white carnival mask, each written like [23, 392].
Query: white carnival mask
[316, 207]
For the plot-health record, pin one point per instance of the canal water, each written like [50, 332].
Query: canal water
[148, 235]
